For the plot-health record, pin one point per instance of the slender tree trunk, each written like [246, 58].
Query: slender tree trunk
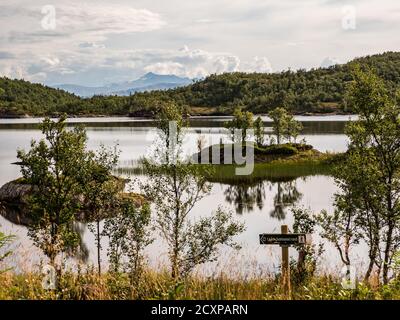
[98, 246]
[387, 253]
[373, 251]
[389, 238]
[175, 254]
[52, 253]
[301, 261]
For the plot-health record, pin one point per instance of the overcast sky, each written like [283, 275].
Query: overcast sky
[100, 42]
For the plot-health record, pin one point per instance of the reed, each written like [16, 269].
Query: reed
[88, 285]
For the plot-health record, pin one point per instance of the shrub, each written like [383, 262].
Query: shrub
[281, 149]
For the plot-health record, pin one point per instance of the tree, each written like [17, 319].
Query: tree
[129, 234]
[55, 167]
[171, 124]
[305, 222]
[293, 129]
[279, 117]
[369, 178]
[284, 125]
[242, 121]
[358, 206]
[259, 131]
[100, 190]
[5, 240]
[174, 188]
[340, 229]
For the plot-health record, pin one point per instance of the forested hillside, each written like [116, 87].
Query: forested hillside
[314, 91]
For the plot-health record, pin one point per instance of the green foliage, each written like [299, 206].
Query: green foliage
[259, 132]
[284, 125]
[315, 91]
[240, 124]
[280, 149]
[55, 167]
[5, 240]
[207, 234]
[368, 207]
[280, 120]
[129, 234]
[309, 254]
[100, 190]
[174, 187]
[170, 125]
[88, 285]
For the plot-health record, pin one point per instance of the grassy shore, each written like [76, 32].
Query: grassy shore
[283, 169]
[267, 166]
[89, 285]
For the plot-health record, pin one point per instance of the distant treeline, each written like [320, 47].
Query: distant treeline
[315, 91]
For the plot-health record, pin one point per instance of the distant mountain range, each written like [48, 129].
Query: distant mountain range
[149, 82]
[315, 91]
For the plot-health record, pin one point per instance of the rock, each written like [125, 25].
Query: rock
[15, 192]
[14, 201]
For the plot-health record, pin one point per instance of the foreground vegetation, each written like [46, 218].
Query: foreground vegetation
[314, 91]
[88, 285]
[366, 209]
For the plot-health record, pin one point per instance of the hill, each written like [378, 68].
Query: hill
[319, 90]
[19, 97]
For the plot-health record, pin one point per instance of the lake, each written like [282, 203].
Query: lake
[263, 207]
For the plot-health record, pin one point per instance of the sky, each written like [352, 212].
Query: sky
[95, 43]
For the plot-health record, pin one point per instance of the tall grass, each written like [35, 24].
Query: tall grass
[88, 285]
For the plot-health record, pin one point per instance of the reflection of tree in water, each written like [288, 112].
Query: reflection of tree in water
[17, 217]
[83, 250]
[286, 195]
[246, 196]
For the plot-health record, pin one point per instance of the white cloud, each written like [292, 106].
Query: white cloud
[97, 41]
[75, 20]
[329, 62]
[258, 64]
[91, 45]
[168, 67]
[99, 19]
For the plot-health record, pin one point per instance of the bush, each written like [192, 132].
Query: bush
[301, 146]
[280, 149]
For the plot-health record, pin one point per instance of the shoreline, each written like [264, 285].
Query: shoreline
[194, 116]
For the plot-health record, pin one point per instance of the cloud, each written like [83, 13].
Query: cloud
[258, 64]
[329, 62]
[168, 67]
[97, 42]
[91, 45]
[75, 20]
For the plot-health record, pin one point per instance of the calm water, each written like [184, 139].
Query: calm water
[262, 207]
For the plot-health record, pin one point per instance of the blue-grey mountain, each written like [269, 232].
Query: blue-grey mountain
[148, 82]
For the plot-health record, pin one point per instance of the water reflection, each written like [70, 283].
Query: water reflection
[311, 125]
[268, 201]
[246, 197]
[83, 251]
[287, 195]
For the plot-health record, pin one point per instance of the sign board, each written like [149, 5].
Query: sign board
[285, 239]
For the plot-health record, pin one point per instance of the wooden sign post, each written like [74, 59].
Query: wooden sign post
[285, 240]
[285, 264]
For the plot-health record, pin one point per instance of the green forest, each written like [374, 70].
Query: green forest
[316, 91]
